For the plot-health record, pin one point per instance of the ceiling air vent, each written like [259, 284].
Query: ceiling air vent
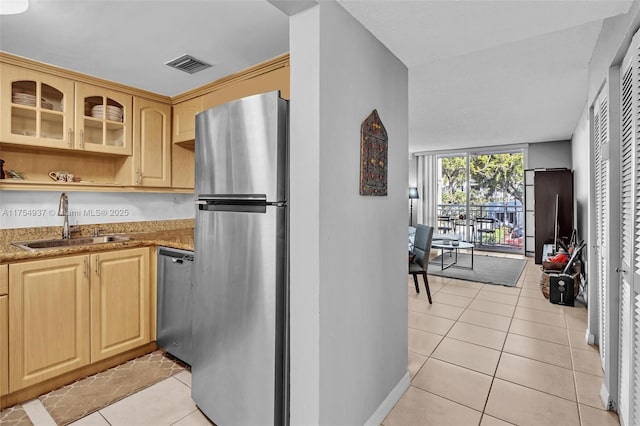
[188, 63]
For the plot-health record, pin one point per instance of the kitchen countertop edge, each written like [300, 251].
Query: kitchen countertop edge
[178, 238]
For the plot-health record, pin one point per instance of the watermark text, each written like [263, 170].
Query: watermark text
[97, 212]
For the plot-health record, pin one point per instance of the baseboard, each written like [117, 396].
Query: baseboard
[589, 337]
[394, 396]
[605, 397]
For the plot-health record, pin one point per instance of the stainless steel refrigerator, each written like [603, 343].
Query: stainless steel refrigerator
[240, 318]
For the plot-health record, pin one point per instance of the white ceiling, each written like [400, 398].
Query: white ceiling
[480, 72]
[129, 41]
[490, 72]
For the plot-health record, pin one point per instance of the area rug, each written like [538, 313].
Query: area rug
[93, 393]
[15, 416]
[486, 269]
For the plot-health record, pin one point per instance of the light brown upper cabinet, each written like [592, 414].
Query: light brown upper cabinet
[44, 110]
[183, 137]
[103, 120]
[35, 108]
[152, 143]
[277, 79]
[184, 119]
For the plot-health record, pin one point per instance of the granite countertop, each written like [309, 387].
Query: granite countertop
[177, 234]
[177, 238]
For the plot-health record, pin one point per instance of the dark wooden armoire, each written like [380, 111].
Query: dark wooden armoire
[548, 184]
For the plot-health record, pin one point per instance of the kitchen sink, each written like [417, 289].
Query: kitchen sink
[72, 242]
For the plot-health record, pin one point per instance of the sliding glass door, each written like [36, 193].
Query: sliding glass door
[480, 198]
[453, 200]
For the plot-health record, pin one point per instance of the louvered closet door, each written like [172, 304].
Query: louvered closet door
[601, 178]
[629, 337]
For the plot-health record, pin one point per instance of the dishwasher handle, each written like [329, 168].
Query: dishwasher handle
[182, 259]
[176, 256]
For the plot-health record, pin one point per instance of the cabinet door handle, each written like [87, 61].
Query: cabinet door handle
[139, 176]
[97, 265]
[81, 139]
[618, 270]
[70, 138]
[86, 267]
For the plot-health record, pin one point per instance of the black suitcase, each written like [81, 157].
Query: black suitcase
[561, 289]
[561, 285]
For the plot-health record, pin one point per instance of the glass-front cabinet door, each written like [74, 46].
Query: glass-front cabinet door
[36, 108]
[103, 120]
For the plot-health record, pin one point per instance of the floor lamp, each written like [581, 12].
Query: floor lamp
[413, 195]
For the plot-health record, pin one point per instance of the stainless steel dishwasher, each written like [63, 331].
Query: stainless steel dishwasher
[175, 302]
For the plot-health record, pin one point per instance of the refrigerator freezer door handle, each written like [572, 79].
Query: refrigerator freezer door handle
[260, 207]
[231, 198]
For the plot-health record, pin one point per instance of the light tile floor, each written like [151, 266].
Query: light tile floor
[479, 355]
[166, 403]
[494, 355]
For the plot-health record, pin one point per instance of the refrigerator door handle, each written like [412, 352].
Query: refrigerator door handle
[278, 204]
[231, 198]
[246, 205]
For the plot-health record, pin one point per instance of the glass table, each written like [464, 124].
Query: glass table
[449, 246]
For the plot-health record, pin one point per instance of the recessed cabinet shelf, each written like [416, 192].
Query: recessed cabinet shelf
[27, 182]
[26, 112]
[93, 169]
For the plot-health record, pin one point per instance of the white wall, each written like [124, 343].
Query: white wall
[613, 42]
[348, 261]
[304, 225]
[581, 176]
[582, 201]
[549, 155]
[611, 46]
[23, 209]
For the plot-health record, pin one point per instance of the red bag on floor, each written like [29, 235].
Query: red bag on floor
[559, 258]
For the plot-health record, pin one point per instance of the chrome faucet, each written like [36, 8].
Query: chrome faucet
[63, 210]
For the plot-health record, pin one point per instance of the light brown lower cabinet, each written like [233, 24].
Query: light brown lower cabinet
[68, 312]
[4, 331]
[4, 345]
[120, 294]
[48, 319]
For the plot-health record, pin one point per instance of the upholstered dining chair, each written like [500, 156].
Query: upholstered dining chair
[421, 250]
